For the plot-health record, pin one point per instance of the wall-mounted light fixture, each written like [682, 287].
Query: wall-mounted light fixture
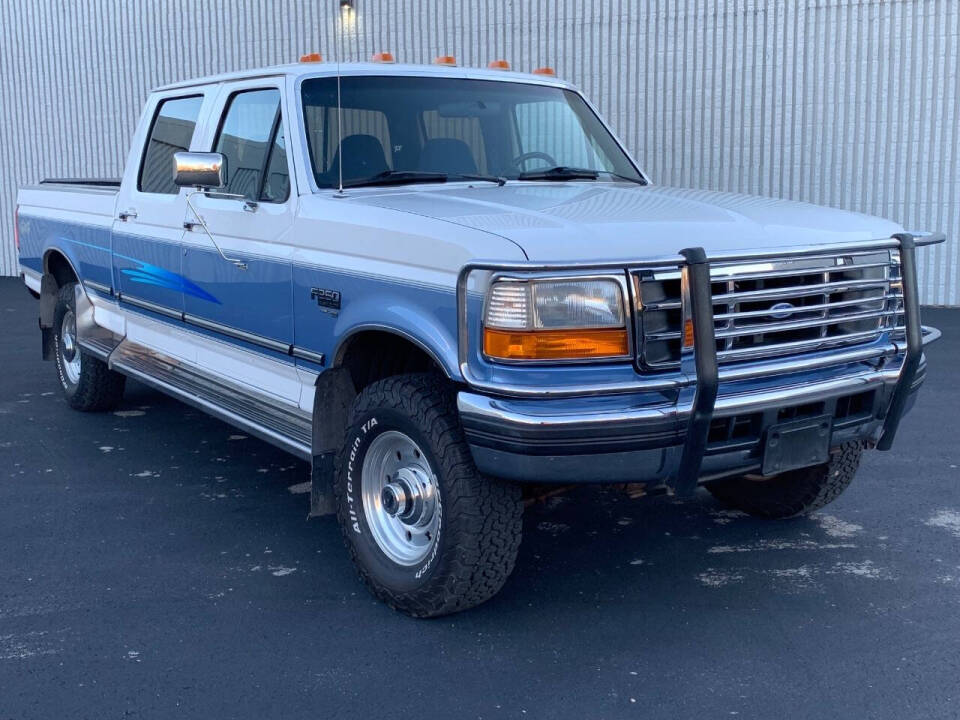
[346, 5]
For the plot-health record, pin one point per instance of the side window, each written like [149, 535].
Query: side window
[251, 139]
[171, 132]
[276, 185]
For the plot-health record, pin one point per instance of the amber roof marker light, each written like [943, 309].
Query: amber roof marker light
[499, 65]
[545, 71]
[448, 60]
[382, 57]
[311, 57]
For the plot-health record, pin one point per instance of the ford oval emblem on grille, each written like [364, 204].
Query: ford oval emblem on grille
[781, 310]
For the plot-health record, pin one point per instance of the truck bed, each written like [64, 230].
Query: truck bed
[70, 199]
[72, 217]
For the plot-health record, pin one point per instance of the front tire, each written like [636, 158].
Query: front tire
[427, 533]
[88, 384]
[793, 493]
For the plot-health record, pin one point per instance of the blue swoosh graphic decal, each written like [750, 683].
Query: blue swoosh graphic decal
[147, 274]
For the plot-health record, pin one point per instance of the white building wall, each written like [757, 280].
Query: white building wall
[851, 103]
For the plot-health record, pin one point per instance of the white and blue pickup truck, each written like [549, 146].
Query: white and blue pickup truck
[443, 286]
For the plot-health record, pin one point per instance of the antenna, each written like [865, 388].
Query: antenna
[338, 31]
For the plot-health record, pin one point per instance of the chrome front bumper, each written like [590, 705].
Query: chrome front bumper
[626, 438]
[673, 440]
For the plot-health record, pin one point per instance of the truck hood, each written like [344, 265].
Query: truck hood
[609, 221]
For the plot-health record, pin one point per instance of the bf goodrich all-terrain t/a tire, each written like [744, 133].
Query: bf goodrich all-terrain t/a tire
[88, 384]
[428, 534]
[797, 492]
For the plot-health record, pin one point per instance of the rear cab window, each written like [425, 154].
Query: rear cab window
[170, 132]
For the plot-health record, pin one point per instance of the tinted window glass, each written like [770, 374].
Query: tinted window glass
[373, 139]
[246, 137]
[453, 126]
[551, 129]
[276, 185]
[457, 133]
[172, 130]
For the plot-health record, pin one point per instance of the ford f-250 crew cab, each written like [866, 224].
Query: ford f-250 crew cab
[438, 284]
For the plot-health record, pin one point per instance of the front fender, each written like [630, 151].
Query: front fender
[425, 317]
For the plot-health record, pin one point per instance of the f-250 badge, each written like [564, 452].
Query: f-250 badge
[327, 300]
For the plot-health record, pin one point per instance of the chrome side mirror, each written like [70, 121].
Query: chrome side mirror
[207, 170]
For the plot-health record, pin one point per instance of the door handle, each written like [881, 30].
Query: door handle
[127, 214]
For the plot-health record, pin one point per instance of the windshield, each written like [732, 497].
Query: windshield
[424, 129]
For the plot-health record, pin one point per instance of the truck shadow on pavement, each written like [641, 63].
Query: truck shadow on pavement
[589, 547]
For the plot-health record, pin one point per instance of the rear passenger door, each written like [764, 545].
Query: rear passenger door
[151, 208]
[253, 303]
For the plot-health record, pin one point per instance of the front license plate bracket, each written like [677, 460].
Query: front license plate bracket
[797, 444]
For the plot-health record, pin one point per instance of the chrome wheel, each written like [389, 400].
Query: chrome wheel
[401, 499]
[69, 352]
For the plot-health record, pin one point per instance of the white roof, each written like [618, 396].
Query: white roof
[329, 69]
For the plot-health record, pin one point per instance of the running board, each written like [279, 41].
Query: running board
[286, 426]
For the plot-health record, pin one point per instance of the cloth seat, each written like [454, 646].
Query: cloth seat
[447, 155]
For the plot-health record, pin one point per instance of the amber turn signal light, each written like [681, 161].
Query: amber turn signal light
[555, 344]
[688, 333]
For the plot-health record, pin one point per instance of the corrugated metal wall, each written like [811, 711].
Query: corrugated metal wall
[852, 103]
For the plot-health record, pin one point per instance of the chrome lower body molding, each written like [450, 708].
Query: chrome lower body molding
[151, 306]
[98, 287]
[275, 345]
[231, 332]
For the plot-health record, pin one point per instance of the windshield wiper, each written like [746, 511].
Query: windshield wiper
[560, 172]
[498, 179]
[398, 177]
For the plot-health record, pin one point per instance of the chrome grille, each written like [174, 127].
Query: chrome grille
[774, 309]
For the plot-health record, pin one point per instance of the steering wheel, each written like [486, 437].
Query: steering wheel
[520, 160]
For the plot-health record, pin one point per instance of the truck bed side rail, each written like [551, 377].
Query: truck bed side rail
[83, 182]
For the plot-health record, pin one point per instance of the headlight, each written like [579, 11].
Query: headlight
[555, 320]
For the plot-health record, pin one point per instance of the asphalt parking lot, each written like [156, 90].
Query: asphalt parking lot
[155, 562]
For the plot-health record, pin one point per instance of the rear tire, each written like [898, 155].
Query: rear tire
[88, 384]
[442, 537]
[798, 492]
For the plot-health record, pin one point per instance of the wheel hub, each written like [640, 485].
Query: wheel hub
[410, 497]
[400, 498]
[69, 352]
